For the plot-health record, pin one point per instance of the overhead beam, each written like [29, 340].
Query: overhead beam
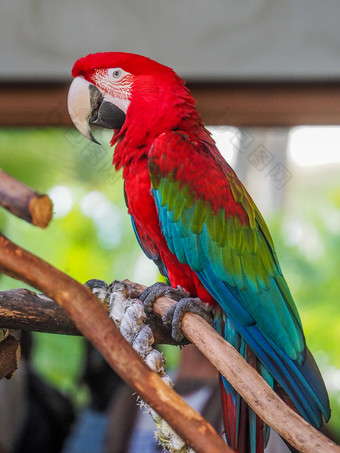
[269, 104]
[237, 104]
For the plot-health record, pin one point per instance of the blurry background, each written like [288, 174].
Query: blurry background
[267, 79]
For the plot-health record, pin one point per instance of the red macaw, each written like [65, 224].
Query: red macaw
[194, 218]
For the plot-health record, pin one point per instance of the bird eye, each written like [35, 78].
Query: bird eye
[116, 73]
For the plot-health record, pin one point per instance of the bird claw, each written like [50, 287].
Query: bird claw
[99, 288]
[159, 289]
[173, 317]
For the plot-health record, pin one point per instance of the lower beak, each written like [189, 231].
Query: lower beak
[87, 106]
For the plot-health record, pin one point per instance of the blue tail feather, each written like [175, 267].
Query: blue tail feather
[302, 382]
[246, 432]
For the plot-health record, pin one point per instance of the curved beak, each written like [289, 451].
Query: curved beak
[87, 106]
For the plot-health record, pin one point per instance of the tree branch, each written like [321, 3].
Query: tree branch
[91, 319]
[22, 309]
[24, 202]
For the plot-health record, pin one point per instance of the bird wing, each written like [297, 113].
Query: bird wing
[211, 223]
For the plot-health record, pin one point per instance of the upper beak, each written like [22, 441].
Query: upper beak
[86, 106]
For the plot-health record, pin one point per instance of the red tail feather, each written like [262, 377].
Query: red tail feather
[240, 421]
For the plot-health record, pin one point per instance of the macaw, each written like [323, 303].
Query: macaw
[193, 217]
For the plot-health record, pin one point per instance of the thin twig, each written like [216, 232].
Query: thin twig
[24, 202]
[91, 319]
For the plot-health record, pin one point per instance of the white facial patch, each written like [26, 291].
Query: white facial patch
[116, 86]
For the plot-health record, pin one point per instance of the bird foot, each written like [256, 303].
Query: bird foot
[159, 289]
[173, 317]
[99, 288]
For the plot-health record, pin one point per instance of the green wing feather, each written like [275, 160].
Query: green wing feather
[241, 255]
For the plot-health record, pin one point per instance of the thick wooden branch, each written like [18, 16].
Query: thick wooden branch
[91, 319]
[24, 202]
[22, 309]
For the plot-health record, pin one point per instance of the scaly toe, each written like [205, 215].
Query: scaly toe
[98, 287]
[173, 317]
[150, 294]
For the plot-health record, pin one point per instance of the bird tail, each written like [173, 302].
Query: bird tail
[245, 431]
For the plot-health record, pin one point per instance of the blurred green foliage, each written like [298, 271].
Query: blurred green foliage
[75, 243]
[94, 239]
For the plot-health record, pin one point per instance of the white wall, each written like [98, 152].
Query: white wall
[221, 39]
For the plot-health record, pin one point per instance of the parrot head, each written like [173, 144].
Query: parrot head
[121, 91]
